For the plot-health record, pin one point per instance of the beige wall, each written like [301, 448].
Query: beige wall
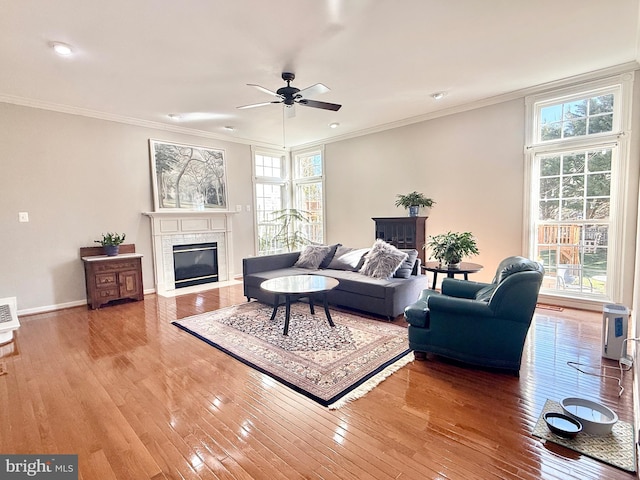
[78, 177]
[470, 163]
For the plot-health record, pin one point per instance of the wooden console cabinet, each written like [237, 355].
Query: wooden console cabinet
[403, 232]
[112, 278]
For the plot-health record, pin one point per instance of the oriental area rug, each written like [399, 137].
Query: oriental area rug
[330, 365]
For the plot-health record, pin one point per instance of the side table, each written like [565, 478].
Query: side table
[465, 269]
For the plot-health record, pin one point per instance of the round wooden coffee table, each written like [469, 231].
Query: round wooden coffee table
[465, 269]
[295, 287]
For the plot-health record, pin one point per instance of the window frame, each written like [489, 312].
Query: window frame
[622, 88]
[298, 181]
[289, 182]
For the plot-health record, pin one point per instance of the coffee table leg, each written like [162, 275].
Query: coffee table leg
[287, 314]
[275, 307]
[326, 310]
[311, 309]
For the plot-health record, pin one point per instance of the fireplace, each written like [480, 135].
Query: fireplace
[195, 264]
[171, 229]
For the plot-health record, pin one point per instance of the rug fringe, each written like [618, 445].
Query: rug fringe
[370, 384]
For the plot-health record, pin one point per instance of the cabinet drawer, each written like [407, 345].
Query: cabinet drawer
[105, 280]
[105, 293]
[116, 266]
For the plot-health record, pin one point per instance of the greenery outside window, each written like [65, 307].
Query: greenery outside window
[576, 156]
[289, 200]
[308, 194]
[270, 197]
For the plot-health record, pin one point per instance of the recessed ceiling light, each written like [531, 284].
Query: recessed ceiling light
[438, 95]
[334, 125]
[174, 116]
[61, 48]
[229, 128]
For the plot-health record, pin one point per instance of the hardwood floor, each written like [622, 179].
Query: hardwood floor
[137, 398]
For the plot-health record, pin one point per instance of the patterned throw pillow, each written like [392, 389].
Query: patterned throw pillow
[382, 260]
[312, 256]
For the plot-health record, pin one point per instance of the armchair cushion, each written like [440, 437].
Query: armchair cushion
[485, 293]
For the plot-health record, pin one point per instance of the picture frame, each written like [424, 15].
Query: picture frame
[187, 177]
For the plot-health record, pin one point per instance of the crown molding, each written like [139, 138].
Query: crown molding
[516, 94]
[84, 112]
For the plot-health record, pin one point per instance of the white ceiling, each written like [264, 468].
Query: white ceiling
[382, 59]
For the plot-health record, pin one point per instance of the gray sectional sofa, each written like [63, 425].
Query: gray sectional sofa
[386, 297]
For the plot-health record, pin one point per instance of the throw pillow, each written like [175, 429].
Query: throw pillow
[312, 256]
[347, 258]
[382, 260]
[329, 256]
[406, 267]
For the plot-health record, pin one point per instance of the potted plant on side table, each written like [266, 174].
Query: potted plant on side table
[111, 243]
[413, 201]
[451, 247]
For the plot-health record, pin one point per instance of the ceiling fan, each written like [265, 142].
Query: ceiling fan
[289, 95]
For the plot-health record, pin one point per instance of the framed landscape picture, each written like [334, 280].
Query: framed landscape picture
[187, 177]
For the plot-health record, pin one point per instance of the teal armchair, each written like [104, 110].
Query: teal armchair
[483, 324]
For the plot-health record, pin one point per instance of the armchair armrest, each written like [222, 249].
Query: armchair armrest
[416, 314]
[454, 287]
[459, 306]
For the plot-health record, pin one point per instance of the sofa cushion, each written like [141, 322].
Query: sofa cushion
[329, 256]
[382, 260]
[357, 283]
[312, 256]
[347, 258]
[406, 267]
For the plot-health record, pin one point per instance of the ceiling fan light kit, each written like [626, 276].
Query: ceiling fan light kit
[290, 96]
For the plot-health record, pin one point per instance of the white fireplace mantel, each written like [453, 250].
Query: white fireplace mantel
[169, 228]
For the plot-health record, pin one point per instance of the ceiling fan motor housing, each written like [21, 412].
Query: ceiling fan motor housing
[288, 93]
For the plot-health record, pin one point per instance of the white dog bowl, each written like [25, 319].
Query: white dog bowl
[595, 418]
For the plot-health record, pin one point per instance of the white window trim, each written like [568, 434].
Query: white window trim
[623, 85]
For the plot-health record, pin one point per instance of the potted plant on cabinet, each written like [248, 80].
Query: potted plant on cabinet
[111, 243]
[413, 201]
[451, 247]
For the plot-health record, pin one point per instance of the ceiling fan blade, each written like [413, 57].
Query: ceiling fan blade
[315, 104]
[253, 105]
[313, 90]
[262, 89]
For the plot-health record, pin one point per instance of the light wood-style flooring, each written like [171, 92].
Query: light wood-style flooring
[137, 398]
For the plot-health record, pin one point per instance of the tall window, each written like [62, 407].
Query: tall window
[289, 197]
[575, 189]
[308, 194]
[270, 199]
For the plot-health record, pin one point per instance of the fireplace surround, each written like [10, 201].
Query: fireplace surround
[170, 229]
